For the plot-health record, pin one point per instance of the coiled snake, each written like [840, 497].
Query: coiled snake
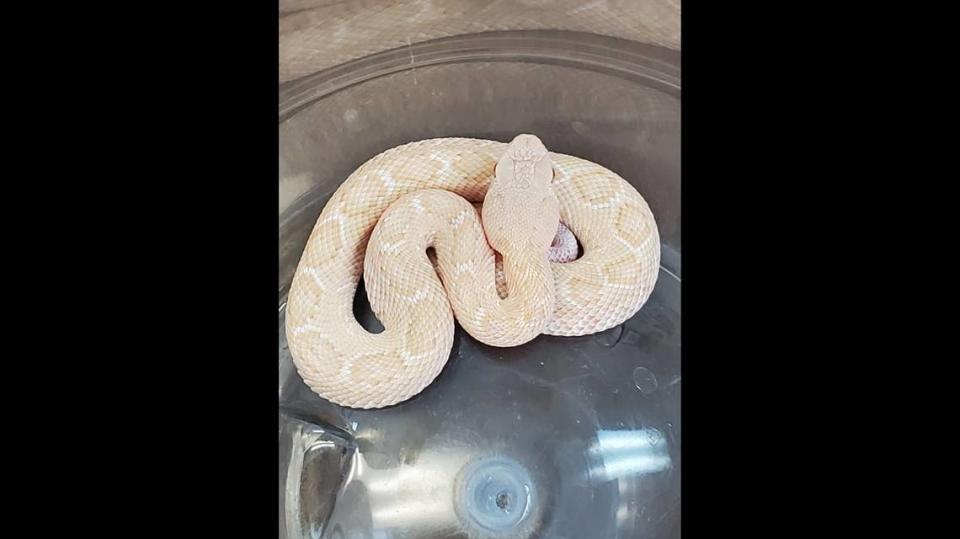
[503, 270]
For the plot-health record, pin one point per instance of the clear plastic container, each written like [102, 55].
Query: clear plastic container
[564, 437]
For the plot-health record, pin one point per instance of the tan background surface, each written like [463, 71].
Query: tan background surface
[317, 34]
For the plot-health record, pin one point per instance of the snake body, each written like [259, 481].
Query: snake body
[490, 268]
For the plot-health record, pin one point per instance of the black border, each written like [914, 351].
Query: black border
[161, 366]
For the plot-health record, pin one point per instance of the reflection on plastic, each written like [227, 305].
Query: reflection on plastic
[407, 497]
[621, 453]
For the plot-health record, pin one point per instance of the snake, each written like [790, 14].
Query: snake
[506, 239]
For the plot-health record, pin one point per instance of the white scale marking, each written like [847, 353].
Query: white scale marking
[639, 249]
[305, 328]
[312, 272]
[458, 220]
[434, 156]
[388, 180]
[416, 298]
[610, 203]
[392, 248]
[410, 359]
[335, 215]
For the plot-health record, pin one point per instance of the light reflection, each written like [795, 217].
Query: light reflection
[412, 497]
[621, 453]
[321, 445]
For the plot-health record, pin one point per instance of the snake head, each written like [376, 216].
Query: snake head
[526, 162]
[520, 205]
[526, 148]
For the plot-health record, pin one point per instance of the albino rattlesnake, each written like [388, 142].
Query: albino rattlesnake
[386, 215]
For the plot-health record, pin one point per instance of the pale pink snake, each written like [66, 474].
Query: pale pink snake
[382, 220]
